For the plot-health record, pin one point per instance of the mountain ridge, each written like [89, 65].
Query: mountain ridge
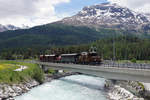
[109, 15]
[8, 27]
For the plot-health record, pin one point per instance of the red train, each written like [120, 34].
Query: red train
[77, 58]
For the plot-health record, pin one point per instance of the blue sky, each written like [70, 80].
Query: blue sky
[75, 5]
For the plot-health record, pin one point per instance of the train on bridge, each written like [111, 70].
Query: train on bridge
[76, 58]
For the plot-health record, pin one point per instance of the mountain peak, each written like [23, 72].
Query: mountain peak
[108, 15]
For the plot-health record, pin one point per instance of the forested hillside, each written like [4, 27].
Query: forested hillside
[51, 35]
[126, 47]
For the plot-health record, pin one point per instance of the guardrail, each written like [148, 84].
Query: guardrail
[116, 65]
[128, 65]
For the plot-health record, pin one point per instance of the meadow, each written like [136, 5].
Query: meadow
[9, 76]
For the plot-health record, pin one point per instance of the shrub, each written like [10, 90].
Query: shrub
[51, 71]
[133, 60]
[38, 75]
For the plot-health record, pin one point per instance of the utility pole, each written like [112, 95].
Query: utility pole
[126, 46]
[114, 50]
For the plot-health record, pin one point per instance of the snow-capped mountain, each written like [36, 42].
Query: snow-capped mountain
[108, 15]
[7, 27]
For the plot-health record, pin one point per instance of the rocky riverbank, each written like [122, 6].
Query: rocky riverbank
[8, 91]
[126, 90]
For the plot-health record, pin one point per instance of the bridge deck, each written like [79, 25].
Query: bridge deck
[106, 71]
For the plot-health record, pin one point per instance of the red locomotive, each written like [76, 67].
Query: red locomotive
[89, 58]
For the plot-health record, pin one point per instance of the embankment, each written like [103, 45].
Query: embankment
[126, 90]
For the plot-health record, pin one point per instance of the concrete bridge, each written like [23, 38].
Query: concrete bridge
[108, 71]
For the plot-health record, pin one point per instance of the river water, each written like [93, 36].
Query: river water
[75, 87]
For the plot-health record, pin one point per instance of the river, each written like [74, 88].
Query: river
[75, 87]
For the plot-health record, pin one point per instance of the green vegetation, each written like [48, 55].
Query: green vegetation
[133, 60]
[7, 66]
[8, 75]
[126, 48]
[51, 71]
[50, 35]
[142, 86]
[143, 61]
[137, 61]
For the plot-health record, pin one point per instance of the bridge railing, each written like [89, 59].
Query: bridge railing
[127, 65]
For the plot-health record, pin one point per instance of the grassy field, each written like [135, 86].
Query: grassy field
[8, 66]
[9, 76]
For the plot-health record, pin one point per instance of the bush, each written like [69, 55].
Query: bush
[51, 71]
[133, 60]
[38, 75]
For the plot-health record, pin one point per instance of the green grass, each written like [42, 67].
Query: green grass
[9, 76]
[137, 61]
[143, 61]
[51, 71]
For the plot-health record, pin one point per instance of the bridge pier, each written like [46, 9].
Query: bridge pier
[46, 68]
[43, 67]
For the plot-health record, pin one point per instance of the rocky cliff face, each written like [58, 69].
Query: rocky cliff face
[109, 16]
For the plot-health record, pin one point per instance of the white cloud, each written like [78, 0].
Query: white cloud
[136, 5]
[28, 12]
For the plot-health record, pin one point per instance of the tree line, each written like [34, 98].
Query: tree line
[125, 48]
